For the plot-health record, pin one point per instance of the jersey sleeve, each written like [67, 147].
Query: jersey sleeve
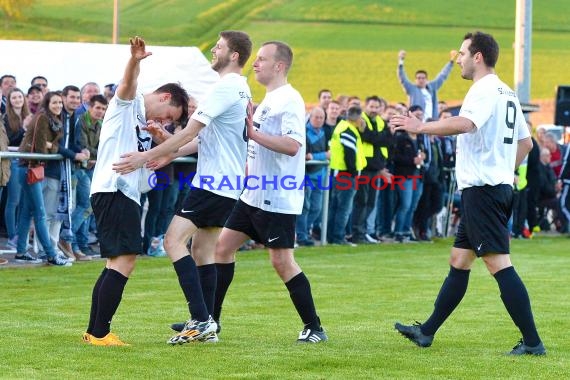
[223, 95]
[293, 124]
[522, 127]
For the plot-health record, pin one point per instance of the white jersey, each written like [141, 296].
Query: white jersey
[275, 179]
[121, 132]
[487, 155]
[222, 148]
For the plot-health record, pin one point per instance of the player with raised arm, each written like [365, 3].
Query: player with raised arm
[219, 122]
[116, 198]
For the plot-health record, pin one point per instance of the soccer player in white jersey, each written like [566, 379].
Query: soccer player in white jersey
[116, 199]
[219, 122]
[492, 141]
[267, 209]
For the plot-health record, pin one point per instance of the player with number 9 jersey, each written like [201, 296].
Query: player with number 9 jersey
[486, 155]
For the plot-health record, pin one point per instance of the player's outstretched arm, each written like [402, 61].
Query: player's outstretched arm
[445, 127]
[134, 160]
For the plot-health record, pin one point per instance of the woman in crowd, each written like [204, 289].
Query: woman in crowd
[42, 136]
[16, 119]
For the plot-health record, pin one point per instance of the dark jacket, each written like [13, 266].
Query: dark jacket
[405, 150]
[14, 137]
[47, 130]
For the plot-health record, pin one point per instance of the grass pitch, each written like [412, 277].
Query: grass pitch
[359, 292]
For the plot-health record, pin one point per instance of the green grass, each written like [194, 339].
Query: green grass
[359, 292]
[346, 46]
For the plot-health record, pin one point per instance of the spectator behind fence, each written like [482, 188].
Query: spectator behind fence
[564, 185]
[88, 90]
[409, 156]
[41, 82]
[16, 119]
[42, 136]
[4, 163]
[35, 97]
[7, 83]
[332, 117]
[87, 131]
[376, 139]
[347, 161]
[317, 149]
[424, 93]
[57, 188]
[109, 91]
[557, 152]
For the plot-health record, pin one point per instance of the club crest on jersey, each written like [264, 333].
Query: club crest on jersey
[264, 113]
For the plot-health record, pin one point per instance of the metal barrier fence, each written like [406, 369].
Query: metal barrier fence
[13, 153]
[325, 210]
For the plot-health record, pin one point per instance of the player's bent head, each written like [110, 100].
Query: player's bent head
[239, 42]
[178, 97]
[486, 45]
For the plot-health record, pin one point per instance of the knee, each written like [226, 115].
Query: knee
[170, 242]
[123, 264]
[223, 252]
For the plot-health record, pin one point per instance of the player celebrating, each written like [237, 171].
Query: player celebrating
[116, 199]
[267, 213]
[492, 141]
[219, 122]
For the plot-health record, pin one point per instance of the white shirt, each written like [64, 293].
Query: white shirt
[276, 178]
[222, 148]
[487, 155]
[121, 132]
[428, 104]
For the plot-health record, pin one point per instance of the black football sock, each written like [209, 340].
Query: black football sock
[516, 300]
[110, 294]
[450, 295]
[225, 276]
[300, 293]
[190, 284]
[208, 280]
[95, 300]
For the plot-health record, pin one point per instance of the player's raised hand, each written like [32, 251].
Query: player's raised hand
[138, 48]
[406, 123]
[453, 55]
[156, 129]
[402, 54]
[249, 118]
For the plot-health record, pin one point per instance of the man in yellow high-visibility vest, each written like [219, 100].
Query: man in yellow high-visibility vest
[347, 161]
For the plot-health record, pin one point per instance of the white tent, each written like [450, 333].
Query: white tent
[65, 63]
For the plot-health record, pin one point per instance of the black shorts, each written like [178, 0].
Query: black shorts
[485, 212]
[118, 224]
[272, 229]
[206, 209]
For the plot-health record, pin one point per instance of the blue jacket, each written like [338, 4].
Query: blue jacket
[317, 145]
[414, 93]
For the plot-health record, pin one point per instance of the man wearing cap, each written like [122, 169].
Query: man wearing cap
[35, 97]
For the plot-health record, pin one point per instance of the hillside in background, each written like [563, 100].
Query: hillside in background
[347, 46]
